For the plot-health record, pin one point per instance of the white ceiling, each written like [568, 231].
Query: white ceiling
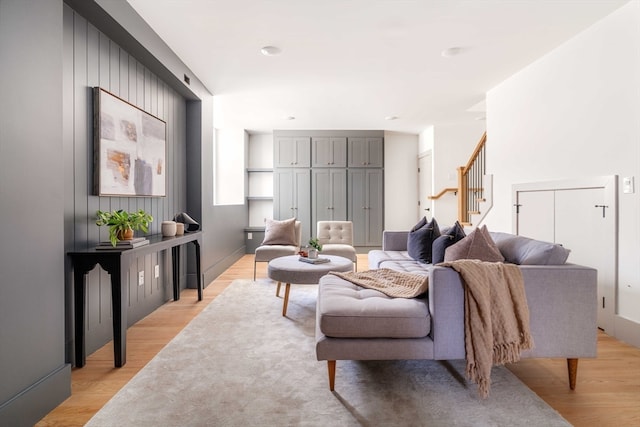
[348, 64]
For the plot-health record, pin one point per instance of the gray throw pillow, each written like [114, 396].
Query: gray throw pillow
[477, 245]
[420, 241]
[526, 251]
[452, 236]
[280, 232]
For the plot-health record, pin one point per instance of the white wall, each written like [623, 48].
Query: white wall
[400, 180]
[229, 169]
[575, 113]
[452, 147]
[260, 155]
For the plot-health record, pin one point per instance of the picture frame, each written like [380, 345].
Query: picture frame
[129, 149]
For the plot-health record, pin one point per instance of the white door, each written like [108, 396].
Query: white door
[581, 216]
[425, 186]
[535, 215]
[584, 226]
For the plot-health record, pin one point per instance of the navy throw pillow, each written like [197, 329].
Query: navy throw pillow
[420, 241]
[420, 224]
[453, 235]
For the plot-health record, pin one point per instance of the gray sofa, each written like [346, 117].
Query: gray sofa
[354, 323]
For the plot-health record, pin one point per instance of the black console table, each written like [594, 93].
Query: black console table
[116, 262]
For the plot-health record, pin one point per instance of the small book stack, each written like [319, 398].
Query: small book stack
[123, 244]
[314, 260]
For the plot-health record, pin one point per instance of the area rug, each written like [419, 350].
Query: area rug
[241, 363]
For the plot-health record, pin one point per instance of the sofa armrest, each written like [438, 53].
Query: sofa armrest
[394, 240]
[562, 301]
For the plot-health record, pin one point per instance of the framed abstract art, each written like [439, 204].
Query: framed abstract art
[130, 148]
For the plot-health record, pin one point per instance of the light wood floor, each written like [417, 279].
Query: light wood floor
[607, 392]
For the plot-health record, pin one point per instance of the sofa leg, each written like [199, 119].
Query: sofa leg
[254, 271]
[331, 366]
[572, 367]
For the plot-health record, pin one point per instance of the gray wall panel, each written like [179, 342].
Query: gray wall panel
[97, 60]
[47, 163]
[32, 258]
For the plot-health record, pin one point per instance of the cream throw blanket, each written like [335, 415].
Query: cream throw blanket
[390, 282]
[496, 317]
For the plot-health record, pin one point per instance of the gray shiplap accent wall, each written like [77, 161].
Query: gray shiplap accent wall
[93, 59]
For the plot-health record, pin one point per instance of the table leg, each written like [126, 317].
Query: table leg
[286, 299]
[119, 301]
[278, 289]
[78, 304]
[175, 266]
[198, 270]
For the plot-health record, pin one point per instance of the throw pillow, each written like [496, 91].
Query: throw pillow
[280, 232]
[477, 245]
[451, 237]
[420, 241]
[420, 224]
[524, 250]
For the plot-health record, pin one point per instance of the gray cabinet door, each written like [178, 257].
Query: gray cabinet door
[292, 197]
[365, 152]
[329, 152]
[365, 206]
[292, 152]
[329, 195]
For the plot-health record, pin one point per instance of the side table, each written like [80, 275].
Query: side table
[117, 262]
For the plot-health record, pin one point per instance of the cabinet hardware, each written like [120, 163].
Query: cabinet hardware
[603, 209]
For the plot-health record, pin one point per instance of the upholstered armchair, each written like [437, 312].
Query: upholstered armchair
[281, 238]
[336, 238]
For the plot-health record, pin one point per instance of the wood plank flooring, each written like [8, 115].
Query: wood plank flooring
[607, 391]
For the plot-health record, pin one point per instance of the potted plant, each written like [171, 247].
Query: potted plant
[122, 223]
[317, 247]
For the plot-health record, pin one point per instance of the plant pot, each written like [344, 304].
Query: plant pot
[313, 253]
[125, 234]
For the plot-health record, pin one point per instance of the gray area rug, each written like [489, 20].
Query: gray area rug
[241, 363]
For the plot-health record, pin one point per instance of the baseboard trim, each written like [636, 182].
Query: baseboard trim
[218, 268]
[627, 330]
[33, 403]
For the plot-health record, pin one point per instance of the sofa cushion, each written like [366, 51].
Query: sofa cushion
[411, 266]
[420, 241]
[377, 256]
[349, 311]
[280, 232]
[526, 251]
[477, 245]
[449, 238]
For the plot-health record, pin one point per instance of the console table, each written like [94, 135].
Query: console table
[117, 262]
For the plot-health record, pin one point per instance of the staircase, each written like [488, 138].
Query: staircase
[475, 188]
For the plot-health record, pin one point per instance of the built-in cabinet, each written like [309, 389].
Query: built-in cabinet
[329, 194]
[292, 152]
[292, 197]
[330, 175]
[365, 153]
[366, 205]
[329, 152]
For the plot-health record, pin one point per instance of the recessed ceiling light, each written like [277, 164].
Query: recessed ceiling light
[391, 118]
[451, 52]
[289, 118]
[270, 51]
